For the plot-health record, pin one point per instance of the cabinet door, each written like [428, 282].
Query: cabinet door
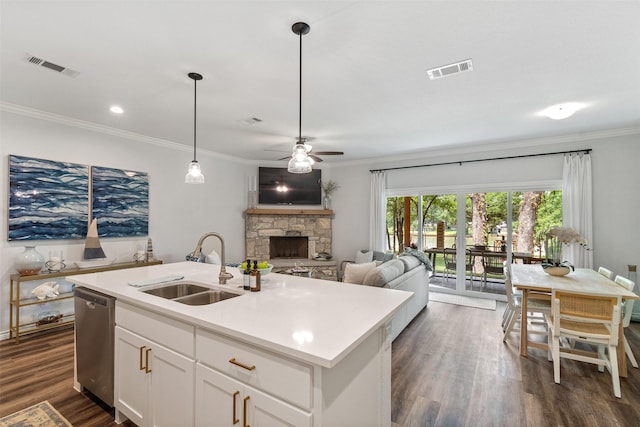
[130, 376]
[267, 411]
[171, 388]
[224, 401]
[218, 399]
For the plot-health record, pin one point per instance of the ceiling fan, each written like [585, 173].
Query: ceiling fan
[314, 155]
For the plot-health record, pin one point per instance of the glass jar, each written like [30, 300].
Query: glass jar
[29, 262]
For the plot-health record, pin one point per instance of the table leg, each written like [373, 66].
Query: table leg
[524, 337]
[622, 357]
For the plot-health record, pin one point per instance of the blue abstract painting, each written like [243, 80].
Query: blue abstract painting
[47, 199]
[120, 202]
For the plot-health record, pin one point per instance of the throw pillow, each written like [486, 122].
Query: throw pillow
[364, 256]
[355, 273]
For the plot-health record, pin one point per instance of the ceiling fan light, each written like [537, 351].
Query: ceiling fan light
[299, 166]
[194, 174]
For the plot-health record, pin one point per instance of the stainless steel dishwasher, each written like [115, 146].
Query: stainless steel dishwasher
[95, 322]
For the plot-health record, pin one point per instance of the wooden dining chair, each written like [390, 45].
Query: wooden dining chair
[606, 272]
[627, 308]
[588, 318]
[536, 309]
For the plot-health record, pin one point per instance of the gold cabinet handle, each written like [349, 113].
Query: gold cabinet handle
[242, 365]
[141, 367]
[244, 411]
[233, 416]
[146, 359]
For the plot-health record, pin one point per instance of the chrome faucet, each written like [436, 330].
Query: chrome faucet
[195, 256]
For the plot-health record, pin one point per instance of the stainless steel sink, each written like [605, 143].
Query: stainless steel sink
[190, 293]
[176, 290]
[208, 297]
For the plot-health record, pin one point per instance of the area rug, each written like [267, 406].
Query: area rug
[486, 304]
[39, 415]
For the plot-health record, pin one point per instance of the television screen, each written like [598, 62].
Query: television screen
[276, 186]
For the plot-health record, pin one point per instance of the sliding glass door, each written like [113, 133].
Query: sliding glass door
[470, 236]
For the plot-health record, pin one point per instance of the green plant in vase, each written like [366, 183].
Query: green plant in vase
[328, 188]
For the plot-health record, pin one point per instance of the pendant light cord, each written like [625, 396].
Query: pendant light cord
[195, 94]
[300, 95]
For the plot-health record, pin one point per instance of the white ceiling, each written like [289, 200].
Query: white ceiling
[365, 86]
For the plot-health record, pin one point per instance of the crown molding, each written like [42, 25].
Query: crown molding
[68, 121]
[470, 149]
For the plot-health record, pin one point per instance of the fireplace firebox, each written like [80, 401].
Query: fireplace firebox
[289, 247]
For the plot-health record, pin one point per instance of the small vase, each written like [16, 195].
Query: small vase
[29, 262]
[326, 202]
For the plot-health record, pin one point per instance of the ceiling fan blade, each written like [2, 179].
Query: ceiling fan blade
[285, 158]
[315, 158]
[329, 153]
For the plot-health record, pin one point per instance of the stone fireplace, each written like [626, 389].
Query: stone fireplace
[289, 237]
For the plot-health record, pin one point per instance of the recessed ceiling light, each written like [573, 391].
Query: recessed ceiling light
[117, 110]
[562, 111]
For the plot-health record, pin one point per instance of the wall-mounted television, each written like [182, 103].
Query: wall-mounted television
[277, 186]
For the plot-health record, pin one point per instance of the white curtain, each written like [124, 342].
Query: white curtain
[378, 211]
[577, 206]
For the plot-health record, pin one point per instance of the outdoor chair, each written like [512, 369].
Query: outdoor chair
[588, 318]
[491, 265]
[451, 263]
[627, 309]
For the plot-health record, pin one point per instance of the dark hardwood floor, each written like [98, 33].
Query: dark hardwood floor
[450, 368]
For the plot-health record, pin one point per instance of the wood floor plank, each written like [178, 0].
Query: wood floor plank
[449, 368]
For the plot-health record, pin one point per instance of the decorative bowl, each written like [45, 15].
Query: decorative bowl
[557, 270]
[263, 271]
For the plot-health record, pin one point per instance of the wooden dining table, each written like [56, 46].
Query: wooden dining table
[534, 282]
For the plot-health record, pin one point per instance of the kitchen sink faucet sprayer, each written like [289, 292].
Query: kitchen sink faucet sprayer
[195, 256]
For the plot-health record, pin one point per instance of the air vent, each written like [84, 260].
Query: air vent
[50, 65]
[447, 70]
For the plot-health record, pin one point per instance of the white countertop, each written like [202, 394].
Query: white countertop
[317, 321]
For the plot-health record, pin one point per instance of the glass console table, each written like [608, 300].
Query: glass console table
[17, 300]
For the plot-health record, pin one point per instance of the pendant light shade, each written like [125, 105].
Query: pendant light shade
[300, 161]
[194, 174]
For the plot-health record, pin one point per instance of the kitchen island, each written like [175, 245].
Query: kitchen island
[302, 351]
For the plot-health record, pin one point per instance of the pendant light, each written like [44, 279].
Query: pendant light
[194, 174]
[300, 161]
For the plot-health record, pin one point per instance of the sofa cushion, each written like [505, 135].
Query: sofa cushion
[410, 262]
[420, 255]
[384, 273]
[355, 273]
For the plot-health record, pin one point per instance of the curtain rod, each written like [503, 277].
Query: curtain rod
[460, 162]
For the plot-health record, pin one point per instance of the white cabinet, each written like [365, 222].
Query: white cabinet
[154, 382]
[224, 401]
[154, 385]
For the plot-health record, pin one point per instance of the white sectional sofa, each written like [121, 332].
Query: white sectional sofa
[406, 273]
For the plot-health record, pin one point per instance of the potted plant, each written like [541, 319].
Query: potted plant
[328, 188]
[556, 238]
